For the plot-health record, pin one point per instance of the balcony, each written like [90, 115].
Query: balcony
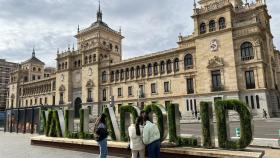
[217, 88]
[61, 102]
[104, 99]
[250, 86]
[89, 100]
[190, 91]
[141, 95]
[247, 58]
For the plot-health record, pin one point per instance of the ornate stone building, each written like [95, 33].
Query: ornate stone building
[230, 55]
[5, 69]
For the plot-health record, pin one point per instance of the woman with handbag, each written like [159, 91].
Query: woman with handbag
[135, 132]
[101, 135]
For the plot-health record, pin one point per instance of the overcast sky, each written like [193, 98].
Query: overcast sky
[148, 25]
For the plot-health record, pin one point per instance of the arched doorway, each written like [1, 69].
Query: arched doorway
[77, 106]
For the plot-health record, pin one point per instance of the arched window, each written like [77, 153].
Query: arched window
[202, 28]
[176, 65]
[59, 66]
[132, 72]
[122, 74]
[117, 75]
[66, 65]
[127, 73]
[75, 64]
[212, 26]
[143, 71]
[188, 61]
[34, 68]
[169, 66]
[247, 51]
[258, 101]
[222, 23]
[94, 57]
[138, 71]
[104, 76]
[111, 46]
[155, 69]
[112, 76]
[162, 67]
[39, 69]
[90, 58]
[62, 66]
[86, 59]
[150, 69]
[116, 48]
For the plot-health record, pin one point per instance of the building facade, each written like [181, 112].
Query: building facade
[5, 69]
[229, 55]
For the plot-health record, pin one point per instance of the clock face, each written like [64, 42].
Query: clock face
[214, 45]
[62, 77]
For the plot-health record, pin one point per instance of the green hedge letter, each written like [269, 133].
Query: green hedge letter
[109, 124]
[221, 108]
[134, 111]
[206, 112]
[174, 123]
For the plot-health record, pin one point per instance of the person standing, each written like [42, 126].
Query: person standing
[264, 114]
[151, 137]
[101, 134]
[135, 132]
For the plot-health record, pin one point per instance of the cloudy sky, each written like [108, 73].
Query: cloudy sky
[148, 25]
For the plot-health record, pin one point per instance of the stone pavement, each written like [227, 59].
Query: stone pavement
[269, 153]
[18, 146]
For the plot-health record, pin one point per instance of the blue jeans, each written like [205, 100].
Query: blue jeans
[103, 148]
[154, 149]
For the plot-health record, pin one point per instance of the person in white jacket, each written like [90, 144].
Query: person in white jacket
[135, 132]
[151, 138]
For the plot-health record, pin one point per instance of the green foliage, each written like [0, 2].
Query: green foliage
[43, 121]
[55, 130]
[205, 124]
[171, 108]
[47, 127]
[109, 124]
[66, 119]
[157, 111]
[126, 109]
[221, 108]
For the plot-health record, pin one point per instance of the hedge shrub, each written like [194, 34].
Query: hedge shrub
[127, 109]
[48, 124]
[43, 121]
[67, 133]
[109, 124]
[206, 115]
[181, 141]
[221, 109]
[55, 130]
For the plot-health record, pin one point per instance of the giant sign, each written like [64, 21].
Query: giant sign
[167, 121]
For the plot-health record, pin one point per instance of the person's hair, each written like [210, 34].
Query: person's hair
[139, 122]
[101, 119]
[146, 118]
[142, 112]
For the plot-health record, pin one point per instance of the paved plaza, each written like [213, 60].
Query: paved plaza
[18, 146]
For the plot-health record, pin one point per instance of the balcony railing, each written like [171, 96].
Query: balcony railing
[61, 102]
[217, 88]
[190, 91]
[250, 86]
[89, 100]
[247, 58]
[141, 95]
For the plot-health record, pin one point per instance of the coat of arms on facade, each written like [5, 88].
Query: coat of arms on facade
[215, 62]
[214, 45]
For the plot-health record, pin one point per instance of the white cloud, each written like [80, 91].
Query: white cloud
[148, 26]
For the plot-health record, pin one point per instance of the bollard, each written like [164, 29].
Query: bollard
[237, 132]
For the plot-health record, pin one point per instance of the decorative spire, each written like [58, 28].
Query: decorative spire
[194, 4]
[68, 47]
[33, 52]
[78, 30]
[57, 51]
[73, 48]
[99, 13]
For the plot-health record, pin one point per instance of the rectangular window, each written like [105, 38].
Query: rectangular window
[35, 101]
[216, 80]
[141, 91]
[104, 95]
[252, 102]
[119, 92]
[247, 100]
[166, 87]
[89, 99]
[46, 101]
[190, 88]
[61, 98]
[250, 79]
[153, 88]
[129, 91]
